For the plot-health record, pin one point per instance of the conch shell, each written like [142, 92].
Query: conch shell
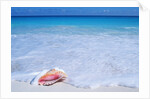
[49, 77]
[52, 77]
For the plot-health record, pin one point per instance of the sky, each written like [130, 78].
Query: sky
[74, 11]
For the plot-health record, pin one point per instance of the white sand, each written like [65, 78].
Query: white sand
[63, 87]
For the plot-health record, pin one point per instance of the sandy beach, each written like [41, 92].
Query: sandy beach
[63, 87]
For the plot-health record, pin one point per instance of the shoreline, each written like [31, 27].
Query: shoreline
[17, 86]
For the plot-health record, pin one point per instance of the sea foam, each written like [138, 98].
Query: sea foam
[89, 61]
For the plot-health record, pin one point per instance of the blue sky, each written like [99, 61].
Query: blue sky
[74, 11]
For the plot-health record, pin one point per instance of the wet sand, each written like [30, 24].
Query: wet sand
[17, 86]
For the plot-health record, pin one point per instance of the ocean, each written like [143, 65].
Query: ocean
[93, 51]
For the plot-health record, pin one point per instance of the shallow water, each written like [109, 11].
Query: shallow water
[93, 51]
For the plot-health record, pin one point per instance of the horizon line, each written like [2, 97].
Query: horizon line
[74, 16]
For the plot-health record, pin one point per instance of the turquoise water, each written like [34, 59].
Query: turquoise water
[96, 25]
[93, 51]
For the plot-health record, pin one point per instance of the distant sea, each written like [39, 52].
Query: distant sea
[93, 51]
